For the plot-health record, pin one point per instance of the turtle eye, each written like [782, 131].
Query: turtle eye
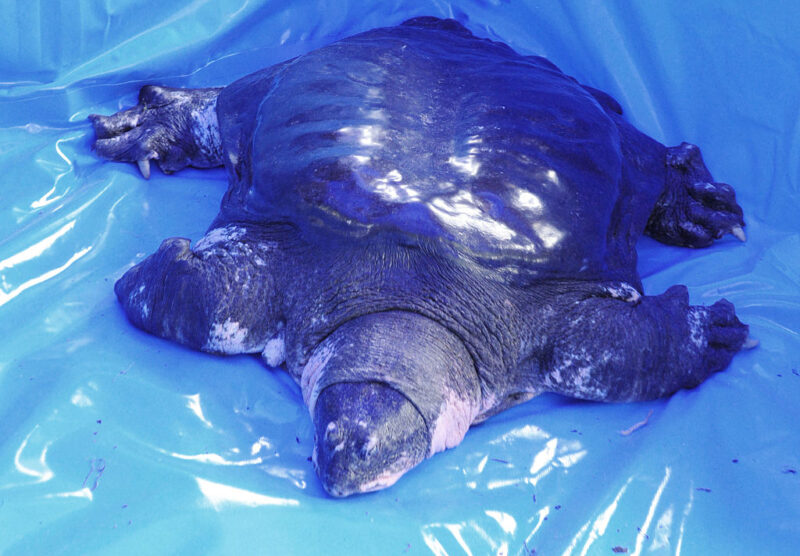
[334, 433]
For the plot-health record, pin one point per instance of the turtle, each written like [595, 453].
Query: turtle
[425, 228]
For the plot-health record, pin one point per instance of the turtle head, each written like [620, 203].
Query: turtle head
[367, 436]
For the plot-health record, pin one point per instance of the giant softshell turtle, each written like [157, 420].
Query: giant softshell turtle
[426, 227]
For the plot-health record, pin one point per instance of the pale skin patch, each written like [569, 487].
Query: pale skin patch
[574, 375]
[624, 292]
[205, 128]
[225, 235]
[697, 318]
[227, 337]
[135, 298]
[390, 476]
[455, 417]
[312, 372]
[274, 351]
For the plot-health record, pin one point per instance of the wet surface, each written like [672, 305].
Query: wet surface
[143, 440]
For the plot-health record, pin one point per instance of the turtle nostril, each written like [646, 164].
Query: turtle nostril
[368, 447]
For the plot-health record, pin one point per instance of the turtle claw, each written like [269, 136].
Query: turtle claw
[750, 343]
[144, 167]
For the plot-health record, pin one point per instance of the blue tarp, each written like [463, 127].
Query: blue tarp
[115, 442]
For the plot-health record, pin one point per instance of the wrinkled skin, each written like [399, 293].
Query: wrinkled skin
[426, 228]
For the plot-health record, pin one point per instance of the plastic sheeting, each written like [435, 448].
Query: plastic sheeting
[113, 441]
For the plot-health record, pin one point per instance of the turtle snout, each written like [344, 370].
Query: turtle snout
[136, 279]
[148, 290]
[367, 436]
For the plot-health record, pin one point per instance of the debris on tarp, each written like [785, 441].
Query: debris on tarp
[636, 426]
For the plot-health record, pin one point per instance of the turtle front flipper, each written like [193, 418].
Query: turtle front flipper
[693, 210]
[385, 391]
[220, 297]
[174, 128]
[606, 342]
